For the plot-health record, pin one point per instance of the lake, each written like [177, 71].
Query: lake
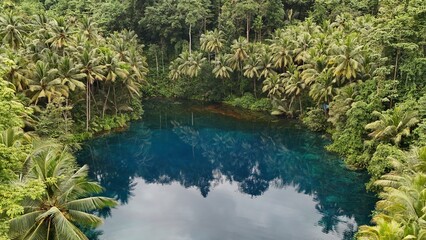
[197, 171]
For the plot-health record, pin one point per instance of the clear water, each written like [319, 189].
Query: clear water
[195, 171]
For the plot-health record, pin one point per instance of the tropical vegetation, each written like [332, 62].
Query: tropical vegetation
[354, 70]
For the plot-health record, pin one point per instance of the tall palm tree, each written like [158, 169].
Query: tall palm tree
[43, 83]
[90, 28]
[252, 70]
[212, 41]
[12, 29]
[294, 86]
[392, 125]
[281, 48]
[61, 35]
[113, 71]
[274, 86]
[239, 53]
[347, 59]
[67, 201]
[323, 90]
[221, 68]
[196, 62]
[69, 74]
[93, 70]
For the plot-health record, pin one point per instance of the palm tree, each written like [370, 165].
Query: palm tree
[61, 34]
[404, 200]
[18, 72]
[239, 53]
[212, 41]
[251, 70]
[67, 200]
[294, 86]
[281, 48]
[274, 86]
[221, 68]
[195, 64]
[12, 30]
[112, 71]
[89, 27]
[174, 70]
[13, 137]
[392, 125]
[93, 70]
[69, 74]
[347, 59]
[384, 230]
[43, 83]
[323, 90]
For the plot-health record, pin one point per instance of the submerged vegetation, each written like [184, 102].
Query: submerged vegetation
[68, 69]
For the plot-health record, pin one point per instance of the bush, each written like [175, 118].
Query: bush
[315, 120]
[248, 101]
[380, 163]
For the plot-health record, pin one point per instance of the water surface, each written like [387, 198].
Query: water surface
[196, 171]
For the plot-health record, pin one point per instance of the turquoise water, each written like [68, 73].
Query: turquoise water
[196, 171]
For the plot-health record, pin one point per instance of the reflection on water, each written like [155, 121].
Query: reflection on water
[186, 172]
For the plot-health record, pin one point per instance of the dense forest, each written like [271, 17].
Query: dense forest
[354, 70]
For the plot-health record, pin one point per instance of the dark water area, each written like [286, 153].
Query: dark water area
[197, 171]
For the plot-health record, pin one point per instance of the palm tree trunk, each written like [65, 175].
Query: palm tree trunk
[300, 104]
[254, 88]
[115, 100]
[156, 63]
[248, 28]
[105, 103]
[398, 51]
[87, 104]
[190, 39]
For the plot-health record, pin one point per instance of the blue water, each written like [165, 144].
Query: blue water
[197, 171]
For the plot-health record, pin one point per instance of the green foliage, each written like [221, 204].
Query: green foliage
[67, 197]
[381, 161]
[12, 111]
[316, 120]
[248, 101]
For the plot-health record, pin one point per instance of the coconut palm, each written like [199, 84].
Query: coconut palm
[252, 70]
[43, 83]
[404, 200]
[67, 200]
[113, 70]
[174, 70]
[239, 53]
[93, 70]
[384, 230]
[61, 34]
[12, 30]
[89, 28]
[69, 74]
[274, 86]
[347, 59]
[18, 73]
[212, 41]
[221, 68]
[196, 62]
[294, 86]
[323, 90]
[281, 48]
[13, 137]
[392, 125]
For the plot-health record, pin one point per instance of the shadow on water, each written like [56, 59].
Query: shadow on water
[191, 144]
